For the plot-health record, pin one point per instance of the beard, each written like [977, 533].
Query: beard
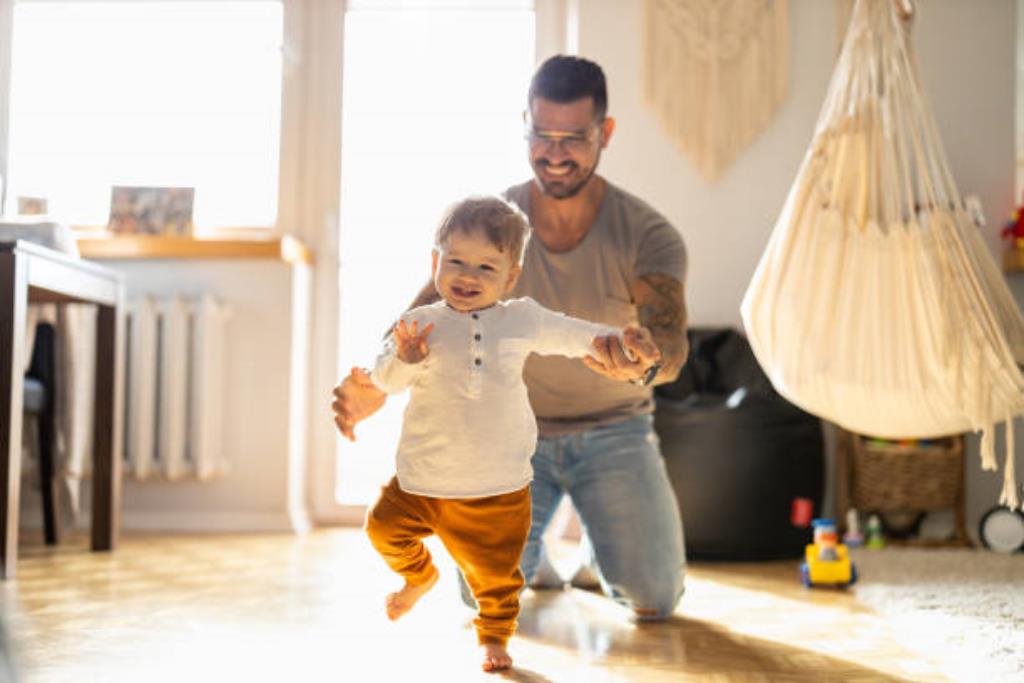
[560, 189]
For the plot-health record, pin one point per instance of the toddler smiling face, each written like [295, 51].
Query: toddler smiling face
[470, 272]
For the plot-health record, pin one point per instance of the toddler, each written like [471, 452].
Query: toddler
[463, 462]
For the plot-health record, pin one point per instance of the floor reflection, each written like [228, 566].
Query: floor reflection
[281, 607]
[601, 633]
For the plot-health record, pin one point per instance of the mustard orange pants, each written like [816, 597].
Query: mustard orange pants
[485, 537]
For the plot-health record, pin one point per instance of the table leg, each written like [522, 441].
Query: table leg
[107, 428]
[13, 305]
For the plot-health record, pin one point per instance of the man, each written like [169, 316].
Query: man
[601, 254]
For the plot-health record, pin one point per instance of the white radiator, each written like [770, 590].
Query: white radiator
[175, 388]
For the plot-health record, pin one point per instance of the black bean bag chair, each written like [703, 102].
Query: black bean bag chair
[738, 454]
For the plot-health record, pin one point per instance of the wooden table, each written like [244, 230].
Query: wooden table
[30, 273]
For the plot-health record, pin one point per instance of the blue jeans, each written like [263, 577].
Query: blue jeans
[617, 481]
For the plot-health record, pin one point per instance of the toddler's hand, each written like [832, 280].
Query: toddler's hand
[626, 359]
[411, 344]
[639, 342]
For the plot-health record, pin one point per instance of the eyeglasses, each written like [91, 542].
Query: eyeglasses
[570, 142]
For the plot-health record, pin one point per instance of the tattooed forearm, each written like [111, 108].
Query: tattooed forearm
[662, 309]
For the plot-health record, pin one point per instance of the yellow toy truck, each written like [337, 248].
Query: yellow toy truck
[826, 560]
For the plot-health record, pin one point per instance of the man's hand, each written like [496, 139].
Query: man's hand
[355, 399]
[411, 344]
[640, 343]
[611, 359]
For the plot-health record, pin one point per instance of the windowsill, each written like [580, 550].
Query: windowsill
[106, 246]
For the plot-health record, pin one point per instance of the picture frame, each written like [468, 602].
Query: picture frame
[32, 206]
[151, 210]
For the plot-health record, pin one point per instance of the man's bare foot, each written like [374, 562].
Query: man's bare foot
[400, 602]
[496, 657]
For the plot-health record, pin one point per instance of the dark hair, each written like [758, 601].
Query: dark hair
[505, 226]
[564, 79]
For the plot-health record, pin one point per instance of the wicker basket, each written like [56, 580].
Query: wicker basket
[893, 477]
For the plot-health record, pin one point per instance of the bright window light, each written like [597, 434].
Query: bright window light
[147, 94]
[432, 112]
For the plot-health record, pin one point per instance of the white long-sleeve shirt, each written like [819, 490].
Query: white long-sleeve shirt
[468, 430]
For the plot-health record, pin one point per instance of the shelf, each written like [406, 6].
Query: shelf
[1013, 261]
[287, 249]
[891, 477]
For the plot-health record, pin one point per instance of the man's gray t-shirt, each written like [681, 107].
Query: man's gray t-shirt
[592, 281]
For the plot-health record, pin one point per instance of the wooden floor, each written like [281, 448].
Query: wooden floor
[310, 608]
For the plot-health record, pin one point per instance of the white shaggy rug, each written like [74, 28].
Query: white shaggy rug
[964, 606]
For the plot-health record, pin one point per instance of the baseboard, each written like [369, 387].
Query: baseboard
[300, 520]
[341, 515]
[209, 522]
[296, 520]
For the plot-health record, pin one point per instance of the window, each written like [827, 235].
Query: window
[432, 111]
[151, 94]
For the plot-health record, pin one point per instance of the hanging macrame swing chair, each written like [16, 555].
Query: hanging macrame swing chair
[876, 304]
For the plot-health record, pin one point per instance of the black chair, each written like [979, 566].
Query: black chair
[737, 454]
[39, 398]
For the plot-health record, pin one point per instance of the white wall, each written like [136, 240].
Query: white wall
[264, 416]
[966, 50]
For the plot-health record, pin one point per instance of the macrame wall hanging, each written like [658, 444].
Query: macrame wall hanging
[877, 304]
[715, 71]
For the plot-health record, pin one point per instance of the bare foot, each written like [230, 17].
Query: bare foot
[496, 657]
[400, 602]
